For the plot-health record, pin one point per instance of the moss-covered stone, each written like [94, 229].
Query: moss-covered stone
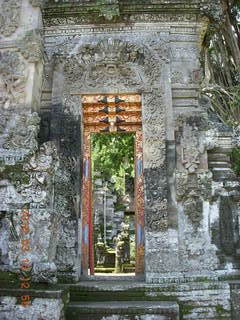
[15, 174]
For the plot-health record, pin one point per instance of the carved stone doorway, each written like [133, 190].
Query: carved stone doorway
[108, 114]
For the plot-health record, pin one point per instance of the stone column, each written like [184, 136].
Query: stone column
[26, 173]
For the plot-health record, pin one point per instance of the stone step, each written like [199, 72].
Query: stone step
[36, 293]
[195, 300]
[116, 310]
[218, 156]
[223, 174]
[219, 164]
[87, 294]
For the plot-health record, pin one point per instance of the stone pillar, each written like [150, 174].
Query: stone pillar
[26, 173]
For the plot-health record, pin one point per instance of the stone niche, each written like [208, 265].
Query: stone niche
[141, 47]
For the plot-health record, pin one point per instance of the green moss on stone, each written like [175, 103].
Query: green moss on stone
[15, 173]
[185, 310]
[229, 277]
[220, 310]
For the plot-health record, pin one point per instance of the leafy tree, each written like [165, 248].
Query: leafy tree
[113, 157]
[222, 46]
[221, 52]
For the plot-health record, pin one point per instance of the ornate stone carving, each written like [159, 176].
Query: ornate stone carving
[109, 9]
[43, 159]
[113, 63]
[9, 16]
[160, 17]
[71, 105]
[110, 62]
[12, 79]
[44, 272]
[193, 208]
[192, 149]
[199, 184]
[155, 163]
[191, 190]
[31, 183]
[23, 132]
[31, 46]
[212, 9]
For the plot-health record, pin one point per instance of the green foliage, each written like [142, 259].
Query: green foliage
[235, 160]
[221, 53]
[226, 103]
[113, 157]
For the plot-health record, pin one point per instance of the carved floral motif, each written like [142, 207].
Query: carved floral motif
[109, 62]
[9, 16]
[155, 173]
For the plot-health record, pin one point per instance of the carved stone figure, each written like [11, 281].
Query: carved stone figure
[100, 251]
[120, 243]
[191, 149]
[122, 248]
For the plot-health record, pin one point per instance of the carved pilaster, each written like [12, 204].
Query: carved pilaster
[155, 162]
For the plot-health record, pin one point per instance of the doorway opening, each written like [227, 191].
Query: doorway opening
[113, 202]
[113, 196]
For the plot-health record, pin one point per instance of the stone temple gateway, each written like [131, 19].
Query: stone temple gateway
[52, 55]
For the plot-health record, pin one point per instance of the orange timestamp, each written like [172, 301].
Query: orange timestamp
[25, 264]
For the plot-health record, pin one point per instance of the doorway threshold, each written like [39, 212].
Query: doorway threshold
[113, 277]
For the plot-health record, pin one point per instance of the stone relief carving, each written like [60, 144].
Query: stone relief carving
[199, 184]
[192, 149]
[211, 9]
[31, 46]
[44, 273]
[160, 17]
[191, 190]
[193, 208]
[31, 184]
[155, 163]
[23, 132]
[12, 79]
[9, 17]
[113, 63]
[195, 139]
[65, 206]
[110, 62]
[109, 9]
[145, 17]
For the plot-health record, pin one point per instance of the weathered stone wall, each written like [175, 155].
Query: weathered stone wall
[41, 308]
[152, 48]
[27, 169]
